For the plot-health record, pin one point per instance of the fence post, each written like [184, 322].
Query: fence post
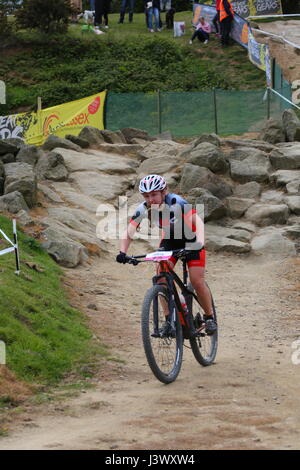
[215, 108]
[268, 103]
[159, 111]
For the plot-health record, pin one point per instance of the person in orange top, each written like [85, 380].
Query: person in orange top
[216, 19]
[226, 18]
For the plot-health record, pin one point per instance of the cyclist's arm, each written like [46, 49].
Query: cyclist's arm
[196, 224]
[127, 237]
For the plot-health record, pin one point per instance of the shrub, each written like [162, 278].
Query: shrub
[49, 17]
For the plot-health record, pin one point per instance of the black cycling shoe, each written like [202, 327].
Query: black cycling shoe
[210, 325]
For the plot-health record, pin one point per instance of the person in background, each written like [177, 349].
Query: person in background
[203, 29]
[101, 9]
[152, 9]
[216, 20]
[226, 18]
[124, 4]
[92, 5]
[77, 5]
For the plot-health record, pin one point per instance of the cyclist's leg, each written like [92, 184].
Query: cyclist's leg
[163, 302]
[196, 266]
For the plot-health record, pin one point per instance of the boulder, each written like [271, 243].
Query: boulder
[272, 196]
[20, 177]
[93, 160]
[254, 168]
[158, 165]
[194, 176]
[8, 158]
[83, 143]
[211, 138]
[257, 144]
[233, 233]
[228, 245]
[213, 208]
[267, 214]
[6, 147]
[50, 194]
[13, 202]
[284, 177]
[1, 185]
[101, 186]
[53, 141]
[293, 232]
[29, 154]
[249, 190]
[65, 251]
[132, 133]
[273, 131]
[236, 207]
[272, 243]
[51, 166]
[113, 137]
[240, 153]
[286, 158]
[24, 218]
[241, 225]
[16, 141]
[293, 187]
[160, 148]
[127, 150]
[1, 169]
[291, 125]
[92, 135]
[209, 156]
[293, 203]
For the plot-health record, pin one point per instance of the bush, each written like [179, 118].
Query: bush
[49, 17]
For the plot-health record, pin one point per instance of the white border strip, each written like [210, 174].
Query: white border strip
[271, 16]
[14, 245]
[297, 46]
[283, 97]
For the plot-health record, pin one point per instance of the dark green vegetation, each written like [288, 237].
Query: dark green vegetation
[125, 59]
[45, 338]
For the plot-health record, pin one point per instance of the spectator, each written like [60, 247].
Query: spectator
[101, 9]
[77, 5]
[203, 29]
[226, 18]
[216, 20]
[152, 9]
[124, 4]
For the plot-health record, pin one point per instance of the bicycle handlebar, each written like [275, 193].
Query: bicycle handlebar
[180, 253]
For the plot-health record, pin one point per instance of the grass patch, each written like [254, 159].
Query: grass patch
[126, 59]
[44, 337]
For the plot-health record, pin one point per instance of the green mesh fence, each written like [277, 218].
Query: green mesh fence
[187, 114]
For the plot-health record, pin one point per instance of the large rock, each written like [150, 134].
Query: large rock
[249, 190]
[53, 141]
[113, 137]
[272, 197]
[92, 135]
[240, 153]
[241, 235]
[101, 186]
[293, 187]
[209, 156]
[158, 165]
[211, 138]
[273, 131]
[132, 133]
[13, 202]
[51, 166]
[160, 148]
[257, 144]
[254, 168]
[7, 158]
[96, 160]
[6, 147]
[284, 177]
[194, 176]
[83, 143]
[272, 243]
[229, 245]
[291, 125]
[29, 154]
[20, 177]
[293, 203]
[213, 208]
[236, 207]
[267, 214]
[65, 251]
[286, 157]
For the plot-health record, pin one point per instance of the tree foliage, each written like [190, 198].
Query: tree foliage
[51, 16]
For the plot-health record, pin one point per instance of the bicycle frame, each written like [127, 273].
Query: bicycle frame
[168, 273]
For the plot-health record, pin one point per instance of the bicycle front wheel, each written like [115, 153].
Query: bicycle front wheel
[205, 346]
[163, 345]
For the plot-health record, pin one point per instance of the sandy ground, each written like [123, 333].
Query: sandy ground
[249, 399]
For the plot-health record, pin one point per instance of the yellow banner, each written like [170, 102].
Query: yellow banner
[68, 118]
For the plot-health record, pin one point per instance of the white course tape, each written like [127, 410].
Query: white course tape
[283, 97]
[297, 46]
[7, 250]
[14, 245]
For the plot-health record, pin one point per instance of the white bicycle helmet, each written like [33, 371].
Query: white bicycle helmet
[152, 183]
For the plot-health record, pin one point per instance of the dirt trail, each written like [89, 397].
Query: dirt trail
[248, 400]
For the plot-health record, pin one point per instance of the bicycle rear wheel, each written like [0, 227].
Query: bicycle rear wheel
[163, 346]
[205, 346]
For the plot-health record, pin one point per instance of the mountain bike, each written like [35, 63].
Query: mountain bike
[169, 318]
